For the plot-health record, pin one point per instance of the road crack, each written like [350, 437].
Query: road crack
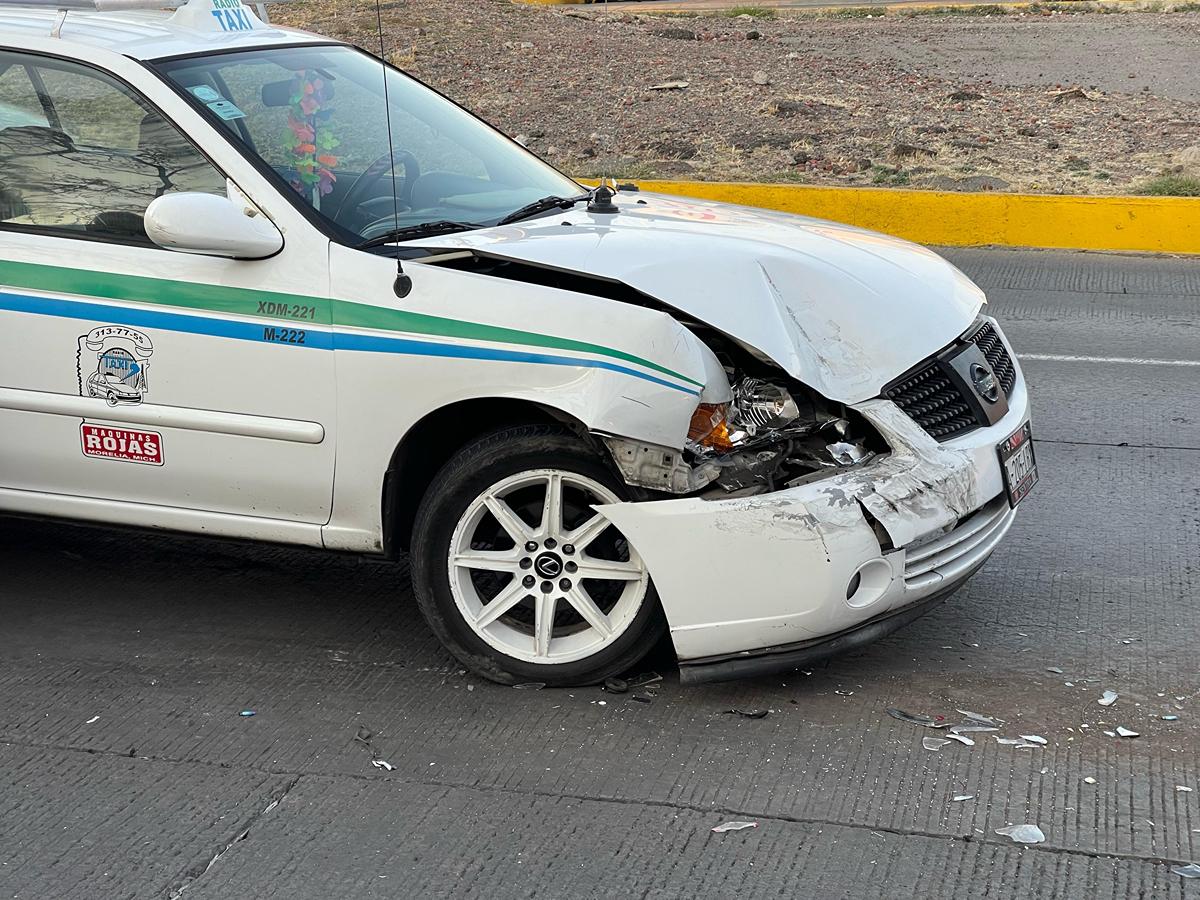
[192, 877]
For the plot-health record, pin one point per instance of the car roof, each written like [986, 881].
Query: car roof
[140, 34]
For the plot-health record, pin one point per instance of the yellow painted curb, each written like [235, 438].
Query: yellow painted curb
[1150, 224]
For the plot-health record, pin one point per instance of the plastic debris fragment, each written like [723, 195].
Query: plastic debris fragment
[644, 679]
[1034, 738]
[958, 798]
[1055, 669]
[733, 826]
[933, 743]
[1183, 789]
[1169, 718]
[981, 719]
[1009, 742]
[382, 764]
[529, 686]
[1022, 834]
[1191, 870]
[364, 735]
[92, 721]
[616, 685]
[911, 718]
[247, 713]
[1089, 780]
[1122, 731]
[1108, 698]
[962, 739]
[748, 713]
[972, 729]
[643, 698]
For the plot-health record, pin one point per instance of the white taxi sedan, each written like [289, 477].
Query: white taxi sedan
[255, 284]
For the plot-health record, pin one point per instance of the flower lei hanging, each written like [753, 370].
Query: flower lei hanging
[311, 139]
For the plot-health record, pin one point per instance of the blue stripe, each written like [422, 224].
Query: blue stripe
[313, 338]
[153, 318]
[371, 343]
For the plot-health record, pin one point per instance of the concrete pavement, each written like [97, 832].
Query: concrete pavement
[504, 793]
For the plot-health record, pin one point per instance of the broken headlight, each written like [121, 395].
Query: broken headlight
[771, 434]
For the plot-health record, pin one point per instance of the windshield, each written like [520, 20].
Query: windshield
[316, 116]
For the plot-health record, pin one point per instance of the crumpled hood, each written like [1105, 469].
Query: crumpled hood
[842, 309]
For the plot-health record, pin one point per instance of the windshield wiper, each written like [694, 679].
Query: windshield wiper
[425, 229]
[538, 206]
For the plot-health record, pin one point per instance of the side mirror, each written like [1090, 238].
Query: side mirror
[210, 225]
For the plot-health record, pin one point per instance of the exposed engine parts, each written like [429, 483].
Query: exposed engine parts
[773, 433]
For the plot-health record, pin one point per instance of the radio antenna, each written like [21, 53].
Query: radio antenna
[403, 283]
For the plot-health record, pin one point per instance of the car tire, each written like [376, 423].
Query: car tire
[513, 599]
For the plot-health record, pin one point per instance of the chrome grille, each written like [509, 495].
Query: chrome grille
[987, 340]
[935, 401]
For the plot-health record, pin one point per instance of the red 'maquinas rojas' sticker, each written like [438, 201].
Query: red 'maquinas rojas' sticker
[104, 442]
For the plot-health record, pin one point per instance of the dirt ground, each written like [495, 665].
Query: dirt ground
[1050, 103]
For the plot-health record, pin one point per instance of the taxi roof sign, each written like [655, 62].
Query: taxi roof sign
[201, 15]
[214, 15]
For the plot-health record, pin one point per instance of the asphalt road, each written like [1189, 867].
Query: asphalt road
[126, 771]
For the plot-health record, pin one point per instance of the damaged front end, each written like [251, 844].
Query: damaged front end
[772, 432]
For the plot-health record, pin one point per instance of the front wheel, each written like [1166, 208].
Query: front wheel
[516, 573]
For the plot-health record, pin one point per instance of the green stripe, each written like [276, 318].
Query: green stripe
[361, 315]
[245, 301]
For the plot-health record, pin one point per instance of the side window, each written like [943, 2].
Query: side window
[82, 153]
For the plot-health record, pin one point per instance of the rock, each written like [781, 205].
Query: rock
[800, 158]
[907, 150]
[675, 148]
[753, 35]
[1052, 145]
[676, 34]
[761, 78]
[672, 167]
[932, 129]
[1188, 159]
[669, 86]
[789, 109]
[603, 141]
[1027, 131]
[1072, 94]
[522, 139]
[863, 164]
[966, 95]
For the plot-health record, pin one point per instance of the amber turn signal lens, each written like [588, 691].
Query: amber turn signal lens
[710, 427]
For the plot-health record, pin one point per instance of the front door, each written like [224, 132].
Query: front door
[130, 374]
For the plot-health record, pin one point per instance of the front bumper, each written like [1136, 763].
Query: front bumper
[767, 577]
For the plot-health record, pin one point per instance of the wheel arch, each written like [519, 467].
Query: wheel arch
[430, 443]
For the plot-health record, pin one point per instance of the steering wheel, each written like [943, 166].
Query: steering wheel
[374, 173]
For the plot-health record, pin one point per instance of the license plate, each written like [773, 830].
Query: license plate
[1018, 464]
